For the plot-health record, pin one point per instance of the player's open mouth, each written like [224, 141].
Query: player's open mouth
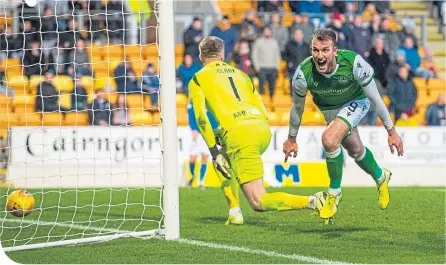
[321, 63]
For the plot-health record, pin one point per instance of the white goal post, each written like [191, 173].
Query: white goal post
[105, 199]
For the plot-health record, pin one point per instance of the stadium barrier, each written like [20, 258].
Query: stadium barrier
[130, 157]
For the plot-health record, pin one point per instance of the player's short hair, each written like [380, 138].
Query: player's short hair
[211, 47]
[325, 34]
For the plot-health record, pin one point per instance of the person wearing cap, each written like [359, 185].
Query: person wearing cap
[225, 31]
[192, 37]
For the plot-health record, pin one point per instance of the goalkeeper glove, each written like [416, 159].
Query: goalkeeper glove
[220, 162]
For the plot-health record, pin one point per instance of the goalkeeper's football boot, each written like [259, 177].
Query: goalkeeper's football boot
[236, 219]
[320, 200]
[383, 190]
[330, 206]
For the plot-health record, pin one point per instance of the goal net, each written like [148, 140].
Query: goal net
[80, 121]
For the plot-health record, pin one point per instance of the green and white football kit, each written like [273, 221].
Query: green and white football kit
[346, 93]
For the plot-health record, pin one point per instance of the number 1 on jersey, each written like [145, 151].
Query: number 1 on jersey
[231, 80]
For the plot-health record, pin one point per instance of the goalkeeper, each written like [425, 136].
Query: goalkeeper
[244, 134]
[341, 83]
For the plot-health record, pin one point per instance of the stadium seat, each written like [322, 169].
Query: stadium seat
[34, 82]
[283, 101]
[437, 84]
[179, 50]
[30, 119]
[88, 84]
[76, 119]
[101, 82]
[267, 101]
[140, 117]
[139, 67]
[273, 119]
[424, 100]
[63, 83]
[23, 109]
[284, 119]
[112, 51]
[52, 119]
[182, 117]
[135, 101]
[134, 51]
[6, 108]
[101, 68]
[8, 120]
[11, 66]
[151, 51]
[18, 83]
[420, 83]
[312, 118]
[182, 100]
[156, 118]
[22, 101]
[112, 98]
[94, 51]
[386, 100]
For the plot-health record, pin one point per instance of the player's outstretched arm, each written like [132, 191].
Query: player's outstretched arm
[394, 140]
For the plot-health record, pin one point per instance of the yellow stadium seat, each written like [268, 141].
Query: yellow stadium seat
[101, 82]
[420, 83]
[94, 51]
[284, 119]
[135, 101]
[273, 119]
[182, 100]
[76, 119]
[139, 67]
[312, 118]
[111, 51]
[52, 119]
[30, 119]
[6, 108]
[21, 101]
[100, 68]
[22, 109]
[11, 66]
[151, 51]
[424, 100]
[182, 117]
[140, 118]
[437, 84]
[179, 50]
[386, 100]
[156, 118]
[134, 51]
[112, 98]
[8, 120]
[96, 59]
[34, 82]
[88, 83]
[282, 109]
[18, 83]
[63, 83]
[282, 101]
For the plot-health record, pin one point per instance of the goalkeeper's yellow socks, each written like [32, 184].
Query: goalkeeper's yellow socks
[335, 161]
[281, 201]
[368, 163]
[230, 190]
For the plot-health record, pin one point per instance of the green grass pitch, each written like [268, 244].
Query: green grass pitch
[411, 230]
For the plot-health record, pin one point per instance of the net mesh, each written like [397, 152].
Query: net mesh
[79, 119]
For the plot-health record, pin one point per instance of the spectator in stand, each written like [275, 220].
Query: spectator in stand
[361, 40]
[30, 34]
[270, 6]
[11, 45]
[49, 30]
[379, 60]
[402, 93]
[338, 27]
[120, 112]
[407, 120]
[79, 97]
[185, 73]
[369, 12]
[279, 32]
[132, 84]
[375, 24]
[383, 6]
[151, 83]
[294, 5]
[414, 60]
[80, 59]
[35, 62]
[391, 40]
[99, 111]
[295, 52]
[436, 112]
[266, 58]
[314, 8]
[302, 22]
[191, 38]
[121, 75]
[243, 59]
[68, 38]
[328, 6]
[394, 67]
[60, 60]
[47, 98]
[115, 18]
[225, 31]
[249, 29]
[350, 11]
[408, 32]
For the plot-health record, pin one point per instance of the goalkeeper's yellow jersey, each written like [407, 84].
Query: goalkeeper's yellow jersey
[228, 94]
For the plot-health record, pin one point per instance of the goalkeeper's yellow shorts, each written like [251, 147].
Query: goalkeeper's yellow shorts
[245, 145]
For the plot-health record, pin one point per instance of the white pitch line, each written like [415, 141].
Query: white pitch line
[274, 254]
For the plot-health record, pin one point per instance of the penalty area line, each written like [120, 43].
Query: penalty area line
[274, 254]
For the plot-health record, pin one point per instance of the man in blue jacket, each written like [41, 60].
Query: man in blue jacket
[225, 31]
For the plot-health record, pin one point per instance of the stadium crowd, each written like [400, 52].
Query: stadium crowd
[54, 45]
